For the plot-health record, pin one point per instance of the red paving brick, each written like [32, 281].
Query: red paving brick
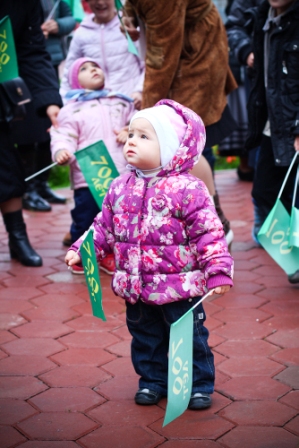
[66, 378]
[8, 320]
[52, 444]
[261, 413]
[25, 365]
[285, 338]
[75, 376]
[42, 329]
[57, 426]
[118, 437]
[237, 349]
[10, 437]
[287, 356]
[67, 399]
[13, 411]
[290, 376]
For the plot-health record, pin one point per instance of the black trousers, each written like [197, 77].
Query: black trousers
[268, 179]
[12, 183]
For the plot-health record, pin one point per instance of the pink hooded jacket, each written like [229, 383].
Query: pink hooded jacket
[123, 71]
[164, 231]
[83, 123]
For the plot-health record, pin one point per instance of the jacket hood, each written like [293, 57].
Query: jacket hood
[192, 144]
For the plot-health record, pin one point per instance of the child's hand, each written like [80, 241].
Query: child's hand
[137, 97]
[128, 25]
[296, 143]
[222, 289]
[72, 258]
[62, 156]
[122, 135]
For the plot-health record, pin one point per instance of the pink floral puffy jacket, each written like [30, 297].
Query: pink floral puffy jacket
[166, 236]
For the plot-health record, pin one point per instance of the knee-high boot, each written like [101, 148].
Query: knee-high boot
[19, 245]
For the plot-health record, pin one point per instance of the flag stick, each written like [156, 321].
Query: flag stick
[203, 298]
[51, 14]
[41, 171]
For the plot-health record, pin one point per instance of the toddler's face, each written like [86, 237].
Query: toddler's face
[142, 148]
[90, 76]
[104, 10]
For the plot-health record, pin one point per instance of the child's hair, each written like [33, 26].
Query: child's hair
[169, 126]
[74, 71]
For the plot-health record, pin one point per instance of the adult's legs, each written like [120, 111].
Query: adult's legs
[43, 159]
[267, 183]
[203, 170]
[268, 180]
[11, 189]
[31, 199]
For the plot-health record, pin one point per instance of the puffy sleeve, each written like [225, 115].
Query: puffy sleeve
[67, 134]
[206, 237]
[103, 237]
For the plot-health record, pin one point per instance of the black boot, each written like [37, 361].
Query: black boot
[43, 159]
[33, 201]
[294, 278]
[46, 193]
[19, 245]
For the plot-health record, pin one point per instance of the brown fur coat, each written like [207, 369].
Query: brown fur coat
[186, 55]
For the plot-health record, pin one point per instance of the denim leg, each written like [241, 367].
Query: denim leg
[83, 213]
[149, 346]
[150, 328]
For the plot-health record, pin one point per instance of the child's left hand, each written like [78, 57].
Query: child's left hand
[222, 289]
[122, 135]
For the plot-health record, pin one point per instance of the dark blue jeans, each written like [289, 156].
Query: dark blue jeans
[83, 213]
[150, 327]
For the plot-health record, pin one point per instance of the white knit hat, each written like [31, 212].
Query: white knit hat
[169, 126]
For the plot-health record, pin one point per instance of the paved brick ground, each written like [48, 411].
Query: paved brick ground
[66, 378]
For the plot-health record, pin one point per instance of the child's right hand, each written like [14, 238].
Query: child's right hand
[62, 156]
[122, 135]
[72, 258]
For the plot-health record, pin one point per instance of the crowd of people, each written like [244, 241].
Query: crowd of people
[161, 232]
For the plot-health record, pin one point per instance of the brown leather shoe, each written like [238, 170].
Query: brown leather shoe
[67, 240]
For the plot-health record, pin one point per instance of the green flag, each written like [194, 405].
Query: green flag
[77, 9]
[118, 5]
[98, 169]
[8, 57]
[275, 231]
[92, 277]
[180, 364]
[294, 223]
[131, 46]
[179, 367]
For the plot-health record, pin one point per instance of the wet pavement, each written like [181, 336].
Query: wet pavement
[66, 378]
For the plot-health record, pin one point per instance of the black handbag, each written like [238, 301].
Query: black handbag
[13, 95]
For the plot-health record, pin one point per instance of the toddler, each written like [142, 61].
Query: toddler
[168, 242]
[93, 114]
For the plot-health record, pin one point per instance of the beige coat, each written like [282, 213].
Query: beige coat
[186, 55]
